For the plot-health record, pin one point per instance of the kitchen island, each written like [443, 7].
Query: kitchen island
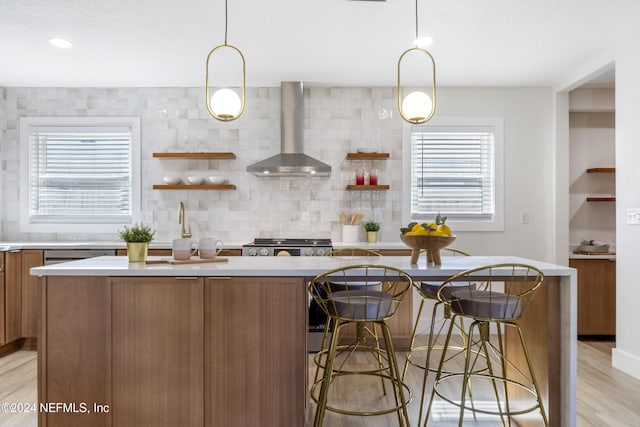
[225, 343]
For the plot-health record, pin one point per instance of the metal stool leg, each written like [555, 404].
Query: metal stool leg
[395, 373]
[326, 381]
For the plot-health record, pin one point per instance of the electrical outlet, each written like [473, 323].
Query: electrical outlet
[524, 217]
[633, 216]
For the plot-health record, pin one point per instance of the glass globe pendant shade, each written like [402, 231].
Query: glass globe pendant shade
[417, 106]
[225, 103]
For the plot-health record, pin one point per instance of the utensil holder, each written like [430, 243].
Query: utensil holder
[350, 233]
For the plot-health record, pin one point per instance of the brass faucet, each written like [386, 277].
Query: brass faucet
[181, 220]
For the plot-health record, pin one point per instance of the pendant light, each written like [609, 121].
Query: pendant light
[225, 104]
[417, 107]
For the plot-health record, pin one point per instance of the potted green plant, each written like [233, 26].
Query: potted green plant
[372, 229]
[137, 237]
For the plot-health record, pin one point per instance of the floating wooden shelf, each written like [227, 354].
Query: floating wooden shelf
[195, 187]
[194, 155]
[367, 156]
[601, 199]
[601, 170]
[367, 187]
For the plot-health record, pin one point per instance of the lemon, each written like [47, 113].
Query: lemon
[417, 227]
[410, 233]
[445, 229]
[422, 232]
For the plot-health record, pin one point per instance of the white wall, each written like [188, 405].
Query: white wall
[337, 120]
[528, 166]
[626, 355]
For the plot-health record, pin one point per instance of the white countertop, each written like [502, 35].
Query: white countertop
[573, 255]
[280, 266]
[10, 246]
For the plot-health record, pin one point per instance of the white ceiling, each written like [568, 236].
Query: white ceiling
[158, 43]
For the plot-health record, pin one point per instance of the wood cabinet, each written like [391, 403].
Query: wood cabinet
[169, 351]
[255, 351]
[29, 292]
[2, 339]
[157, 353]
[596, 296]
[19, 298]
[12, 296]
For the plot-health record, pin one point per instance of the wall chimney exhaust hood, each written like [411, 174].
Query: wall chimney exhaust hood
[291, 161]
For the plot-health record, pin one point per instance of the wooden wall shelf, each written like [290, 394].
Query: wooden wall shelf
[601, 170]
[194, 155]
[367, 187]
[601, 199]
[367, 156]
[195, 187]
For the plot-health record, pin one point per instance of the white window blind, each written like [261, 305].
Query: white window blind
[80, 175]
[452, 172]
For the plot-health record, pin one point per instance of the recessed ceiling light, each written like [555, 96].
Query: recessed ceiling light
[61, 43]
[423, 41]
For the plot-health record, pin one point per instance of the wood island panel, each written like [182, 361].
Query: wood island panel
[255, 355]
[253, 345]
[542, 336]
[74, 363]
[157, 351]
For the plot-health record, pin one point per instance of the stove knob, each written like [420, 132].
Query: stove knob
[253, 252]
[308, 252]
[321, 252]
[264, 251]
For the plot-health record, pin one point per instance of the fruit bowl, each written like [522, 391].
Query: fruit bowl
[431, 244]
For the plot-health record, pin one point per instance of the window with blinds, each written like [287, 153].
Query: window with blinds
[81, 174]
[452, 173]
[453, 166]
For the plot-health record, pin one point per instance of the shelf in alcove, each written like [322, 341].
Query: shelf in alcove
[601, 199]
[367, 187]
[367, 156]
[195, 187]
[601, 170]
[195, 155]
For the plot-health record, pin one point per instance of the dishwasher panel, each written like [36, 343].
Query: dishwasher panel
[56, 256]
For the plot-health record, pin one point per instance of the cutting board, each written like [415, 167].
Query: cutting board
[185, 261]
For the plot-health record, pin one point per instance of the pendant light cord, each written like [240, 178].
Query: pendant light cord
[416, 19]
[226, 20]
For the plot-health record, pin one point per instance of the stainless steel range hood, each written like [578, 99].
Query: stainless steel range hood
[291, 161]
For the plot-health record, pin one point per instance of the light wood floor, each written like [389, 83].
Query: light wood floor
[606, 397]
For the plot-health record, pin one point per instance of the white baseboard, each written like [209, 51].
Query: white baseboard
[626, 362]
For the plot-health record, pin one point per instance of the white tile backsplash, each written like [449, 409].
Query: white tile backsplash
[337, 120]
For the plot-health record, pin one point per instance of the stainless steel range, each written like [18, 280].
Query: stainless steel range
[297, 247]
[293, 247]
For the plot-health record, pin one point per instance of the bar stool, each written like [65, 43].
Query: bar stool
[360, 293]
[495, 295]
[362, 331]
[428, 291]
